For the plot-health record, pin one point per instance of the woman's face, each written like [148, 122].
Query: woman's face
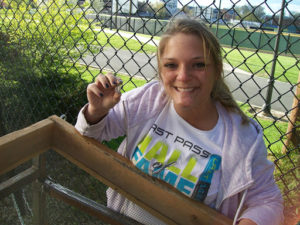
[187, 74]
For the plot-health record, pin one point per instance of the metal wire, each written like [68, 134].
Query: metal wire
[50, 51]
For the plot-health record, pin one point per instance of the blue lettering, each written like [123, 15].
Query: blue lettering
[171, 178]
[212, 165]
[136, 155]
[143, 165]
[185, 186]
[205, 178]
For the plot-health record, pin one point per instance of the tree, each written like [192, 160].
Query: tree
[35, 57]
[187, 10]
[160, 10]
[97, 5]
[251, 13]
[144, 6]
[259, 13]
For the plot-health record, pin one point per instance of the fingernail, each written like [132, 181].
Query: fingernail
[101, 95]
[106, 85]
[118, 89]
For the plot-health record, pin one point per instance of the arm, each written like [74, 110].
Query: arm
[101, 97]
[263, 204]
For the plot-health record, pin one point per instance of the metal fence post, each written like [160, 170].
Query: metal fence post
[259, 40]
[129, 19]
[267, 105]
[232, 40]
[116, 15]
[39, 195]
[219, 12]
[287, 44]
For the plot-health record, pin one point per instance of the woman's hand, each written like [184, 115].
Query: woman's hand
[102, 96]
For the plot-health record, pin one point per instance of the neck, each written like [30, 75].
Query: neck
[202, 117]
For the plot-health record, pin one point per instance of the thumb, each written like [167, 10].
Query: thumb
[116, 97]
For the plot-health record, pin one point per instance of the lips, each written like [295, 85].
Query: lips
[184, 89]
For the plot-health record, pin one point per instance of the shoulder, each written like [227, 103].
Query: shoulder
[246, 133]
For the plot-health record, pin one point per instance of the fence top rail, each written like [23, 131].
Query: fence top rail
[108, 166]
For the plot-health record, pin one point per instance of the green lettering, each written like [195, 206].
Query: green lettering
[174, 157]
[186, 173]
[154, 152]
[144, 143]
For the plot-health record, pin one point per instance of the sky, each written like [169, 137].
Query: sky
[275, 5]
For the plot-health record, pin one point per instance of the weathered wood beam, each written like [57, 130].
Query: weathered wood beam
[22, 145]
[157, 197]
[93, 208]
[109, 167]
[18, 181]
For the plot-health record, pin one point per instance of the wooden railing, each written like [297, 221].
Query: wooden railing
[104, 164]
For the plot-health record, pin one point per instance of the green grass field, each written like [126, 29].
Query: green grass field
[287, 68]
[260, 64]
[257, 63]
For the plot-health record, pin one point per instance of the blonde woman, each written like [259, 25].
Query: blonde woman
[187, 130]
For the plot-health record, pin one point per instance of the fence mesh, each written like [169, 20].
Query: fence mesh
[50, 50]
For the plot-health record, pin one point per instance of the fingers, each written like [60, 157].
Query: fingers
[107, 82]
[93, 89]
[103, 93]
[113, 80]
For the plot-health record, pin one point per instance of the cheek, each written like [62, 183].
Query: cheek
[167, 84]
[166, 77]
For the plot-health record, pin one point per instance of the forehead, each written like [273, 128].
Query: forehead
[184, 45]
[185, 38]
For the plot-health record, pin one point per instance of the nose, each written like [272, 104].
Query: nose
[183, 73]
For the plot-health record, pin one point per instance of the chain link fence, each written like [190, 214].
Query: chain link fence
[50, 50]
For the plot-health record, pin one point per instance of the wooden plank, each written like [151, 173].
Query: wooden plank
[293, 134]
[93, 208]
[22, 145]
[157, 197]
[16, 182]
[38, 194]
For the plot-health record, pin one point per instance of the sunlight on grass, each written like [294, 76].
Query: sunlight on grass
[97, 37]
[274, 131]
[90, 74]
[287, 68]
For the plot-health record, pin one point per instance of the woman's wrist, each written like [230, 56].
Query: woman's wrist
[93, 116]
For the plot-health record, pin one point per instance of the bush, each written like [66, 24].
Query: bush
[36, 52]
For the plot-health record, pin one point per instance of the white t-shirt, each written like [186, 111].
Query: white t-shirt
[185, 157]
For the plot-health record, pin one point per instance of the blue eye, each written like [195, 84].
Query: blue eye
[170, 65]
[199, 65]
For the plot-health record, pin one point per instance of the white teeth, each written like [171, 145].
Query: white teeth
[185, 89]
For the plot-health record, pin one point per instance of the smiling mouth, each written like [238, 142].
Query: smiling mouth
[184, 89]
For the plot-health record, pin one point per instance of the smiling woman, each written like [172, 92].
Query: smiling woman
[188, 77]
[187, 130]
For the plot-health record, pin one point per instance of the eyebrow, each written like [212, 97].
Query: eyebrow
[197, 57]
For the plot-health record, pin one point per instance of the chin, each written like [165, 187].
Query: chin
[184, 105]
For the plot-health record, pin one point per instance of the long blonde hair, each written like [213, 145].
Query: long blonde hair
[212, 47]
